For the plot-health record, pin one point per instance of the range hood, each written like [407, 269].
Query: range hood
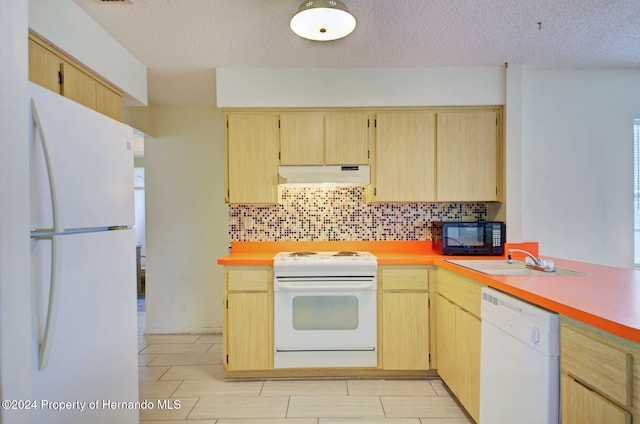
[341, 174]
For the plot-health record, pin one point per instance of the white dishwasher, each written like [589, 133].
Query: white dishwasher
[519, 362]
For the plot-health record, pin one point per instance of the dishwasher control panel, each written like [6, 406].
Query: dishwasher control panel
[528, 323]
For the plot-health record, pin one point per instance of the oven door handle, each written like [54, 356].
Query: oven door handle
[325, 286]
[326, 349]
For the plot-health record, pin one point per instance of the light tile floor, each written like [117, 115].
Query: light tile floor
[181, 375]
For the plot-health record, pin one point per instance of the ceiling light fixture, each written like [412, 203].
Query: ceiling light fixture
[323, 20]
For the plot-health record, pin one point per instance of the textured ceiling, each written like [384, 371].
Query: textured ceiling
[182, 41]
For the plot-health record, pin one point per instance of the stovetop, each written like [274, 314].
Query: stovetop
[324, 261]
[328, 256]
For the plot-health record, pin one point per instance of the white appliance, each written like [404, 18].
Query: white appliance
[325, 309]
[519, 362]
[339, 174]
[82, 264]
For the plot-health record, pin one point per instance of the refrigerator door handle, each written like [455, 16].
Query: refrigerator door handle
[44, 348]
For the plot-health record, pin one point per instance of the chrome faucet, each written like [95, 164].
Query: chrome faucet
[532, 262]
[536, 261]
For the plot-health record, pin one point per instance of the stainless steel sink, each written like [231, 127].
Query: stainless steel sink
[502, 267]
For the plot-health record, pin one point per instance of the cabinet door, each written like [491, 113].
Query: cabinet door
[78, 86]
[405, 156]
[467, 156]
[302, 138]
[583, 406]
[347, 138]
[252, 158]
[248, 333]
[108, 102]
[467, 331]
[44, 67]
[405, 331]
[446, 341]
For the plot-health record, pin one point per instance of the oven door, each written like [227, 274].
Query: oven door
[325, 327]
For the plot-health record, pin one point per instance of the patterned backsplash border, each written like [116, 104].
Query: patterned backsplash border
[333, 213]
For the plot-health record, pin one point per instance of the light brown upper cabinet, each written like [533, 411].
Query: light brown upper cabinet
[252, 143]
[44, 66]
[61, 74]
[405, 156]
[302, 138]
[108, 102]
[429, 154]
[77, 86]
[346, 138]
[468, 156]
[324, 138]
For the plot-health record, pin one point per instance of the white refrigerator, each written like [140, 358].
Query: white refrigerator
[83, 265]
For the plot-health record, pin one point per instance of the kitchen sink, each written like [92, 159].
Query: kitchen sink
[502, 267]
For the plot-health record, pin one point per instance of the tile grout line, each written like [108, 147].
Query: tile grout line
[382, 406]
[186, 417]
[167, 370]
[176, 389]
[286, 412]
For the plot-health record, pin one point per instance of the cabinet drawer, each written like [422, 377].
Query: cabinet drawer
[248, 279]
[462, 291]
[405, 279]
[583, 406]
[596, 363]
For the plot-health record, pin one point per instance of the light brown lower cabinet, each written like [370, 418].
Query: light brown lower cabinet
[468, 361]
[581, 405]
[405, 343]
[458, 328]
[404, 336]
[446, 339]
[599, 382]
[248, 319]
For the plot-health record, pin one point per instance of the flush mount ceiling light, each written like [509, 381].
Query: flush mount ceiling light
[323, 20]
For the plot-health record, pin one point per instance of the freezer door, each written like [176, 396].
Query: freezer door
[91, 160]
[93, 350]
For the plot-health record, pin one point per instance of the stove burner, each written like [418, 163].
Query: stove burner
[297, 254]
[343, 253]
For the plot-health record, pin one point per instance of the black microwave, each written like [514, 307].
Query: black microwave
[468, 238]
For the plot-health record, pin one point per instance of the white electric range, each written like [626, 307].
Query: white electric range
[325, 309]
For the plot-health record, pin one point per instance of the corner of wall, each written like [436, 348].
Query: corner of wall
[140, 118]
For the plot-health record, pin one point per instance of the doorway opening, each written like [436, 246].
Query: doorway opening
[140, 231]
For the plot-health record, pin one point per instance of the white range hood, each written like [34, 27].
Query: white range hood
[315, 174]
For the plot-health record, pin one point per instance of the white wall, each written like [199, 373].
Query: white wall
[511, 209]
[577, 191]
[16, 344]
[186, 220]
[66, 25]
[345, 87]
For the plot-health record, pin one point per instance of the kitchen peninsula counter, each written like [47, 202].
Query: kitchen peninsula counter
[607, 297]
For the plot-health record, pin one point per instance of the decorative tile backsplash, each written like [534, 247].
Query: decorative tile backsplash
[310, 213]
